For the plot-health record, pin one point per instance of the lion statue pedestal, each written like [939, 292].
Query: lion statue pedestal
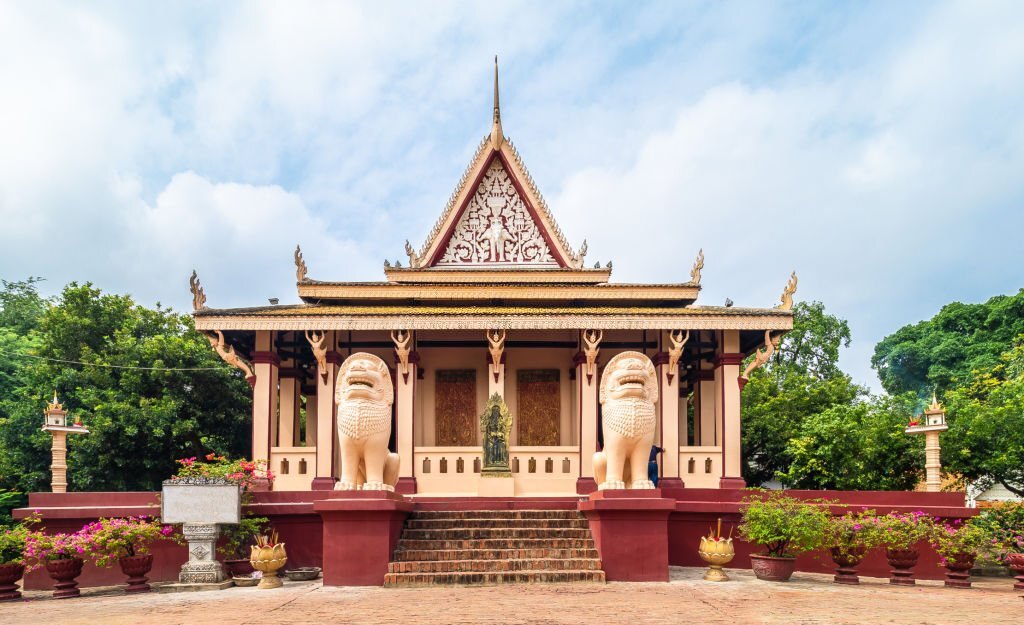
[629, 390]
[364, 396]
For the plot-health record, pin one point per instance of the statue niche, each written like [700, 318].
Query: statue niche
[496, 427]
[629, 389]
[364, 396]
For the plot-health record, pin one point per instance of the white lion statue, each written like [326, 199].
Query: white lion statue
[364, 396]
[629, 389]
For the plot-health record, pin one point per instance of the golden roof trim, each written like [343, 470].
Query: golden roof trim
[436, 275]
[459, 291]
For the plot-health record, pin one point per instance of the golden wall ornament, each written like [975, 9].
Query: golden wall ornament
[198, 295]
[496, 346]
[761, 357]
[227, 352]
[591, 343]
[677, 342]
[300, 265]
[403, 341]
[787, 294]
[698, 265]
[317, 341]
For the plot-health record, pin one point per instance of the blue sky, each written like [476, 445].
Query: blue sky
[875, 148]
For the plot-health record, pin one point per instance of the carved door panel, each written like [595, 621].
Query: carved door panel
[539, 403]
[455, 418]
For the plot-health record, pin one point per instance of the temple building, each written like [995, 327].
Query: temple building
[496, 300]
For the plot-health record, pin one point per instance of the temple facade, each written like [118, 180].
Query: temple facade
[496, 301]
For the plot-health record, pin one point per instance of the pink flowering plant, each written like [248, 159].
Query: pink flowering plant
[902, 530]
[853, 533]
[1003, 524]
[220, 470]
[111, 539]
[957, 542]
[41, 547]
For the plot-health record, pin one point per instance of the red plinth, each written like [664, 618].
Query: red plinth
[630, 529]
[361, 530]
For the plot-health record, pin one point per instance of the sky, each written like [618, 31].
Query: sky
[876, 148]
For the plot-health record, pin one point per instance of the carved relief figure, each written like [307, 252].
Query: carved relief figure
[591, 342]
[675, 351]
[364, 396]
[629, 390]
[496, 227]
[402, 340]
[227, 353]
[496, 346]
[496, 426]
[317, 342]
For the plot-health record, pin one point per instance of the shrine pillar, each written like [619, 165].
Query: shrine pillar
[668, 415]
[266, 366]
[326, 376]
[704, 409]
[586, 399]
[727, 409]
[405, 413]
[291, 394]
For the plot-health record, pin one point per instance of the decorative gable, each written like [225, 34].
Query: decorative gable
[496, 227]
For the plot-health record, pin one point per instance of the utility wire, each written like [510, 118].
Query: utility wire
[95, 364]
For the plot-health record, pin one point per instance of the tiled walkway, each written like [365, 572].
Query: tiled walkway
[809, 598]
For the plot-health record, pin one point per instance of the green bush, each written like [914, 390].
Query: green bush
[785, 526]
[1004, 528]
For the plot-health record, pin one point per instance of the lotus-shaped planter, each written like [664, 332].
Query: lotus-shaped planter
[717, 553]
[268, 560]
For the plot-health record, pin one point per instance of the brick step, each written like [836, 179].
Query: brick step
[495, 566]
[469, 533]
[503, 577]
[412, 555]
[497, 514]
[429, 524]
[498, 543]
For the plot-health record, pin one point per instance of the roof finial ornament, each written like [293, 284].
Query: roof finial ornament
[787, 294]
[697, 266]
[300, 265]
[198, 295]
[497, 136]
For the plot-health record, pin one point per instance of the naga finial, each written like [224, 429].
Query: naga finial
[787, 294]
[198, 295]
[697, 266]
[300, 265]
[414, 260]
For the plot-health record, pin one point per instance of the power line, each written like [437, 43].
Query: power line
[95, 364]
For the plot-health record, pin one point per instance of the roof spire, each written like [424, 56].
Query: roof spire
[497, 136]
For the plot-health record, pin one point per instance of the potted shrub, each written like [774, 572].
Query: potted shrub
[12, 560]
[957, 544]
[268, 556]
[849, 538]
[785, 526]
[237, 543]
[126, 541]
[1003, 524]
[901, 533]
[62, 555]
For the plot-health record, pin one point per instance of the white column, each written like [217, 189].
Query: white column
[586, 400]
[405, 398]
[264, 402]
[325, 435]
[727, 373]
[932, 464]
[668, 403]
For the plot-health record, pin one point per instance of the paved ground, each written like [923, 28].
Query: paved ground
[809, 598]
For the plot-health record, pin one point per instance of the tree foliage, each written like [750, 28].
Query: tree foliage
[142, 413]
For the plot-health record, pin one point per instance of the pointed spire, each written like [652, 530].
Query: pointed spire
[497, 136]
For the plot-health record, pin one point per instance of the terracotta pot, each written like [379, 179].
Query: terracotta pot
[136, 567]
[772, 568]
[902, 561]
[1016, 562]
[238, 568]
[269, 560]
[958, 575]
[9, 576]
[846, 562]
[64, 571]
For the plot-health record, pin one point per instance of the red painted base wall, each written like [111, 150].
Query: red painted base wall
[301, 527]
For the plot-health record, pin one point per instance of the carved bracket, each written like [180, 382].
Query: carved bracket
[227, 353]
[761, 357]
[496, 346]
[787, 294]
[403, 341]
[675, 352]
[591, 348]
[198, 295]
[317, 341]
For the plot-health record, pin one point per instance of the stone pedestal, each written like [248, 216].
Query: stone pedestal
[630, 529]
[202, 566]
[361, 531]
[495, 484]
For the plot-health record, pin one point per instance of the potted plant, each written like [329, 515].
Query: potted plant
[62, 555]
[127, 541]
[236, 546]
[1004, 526]
[267, 557]
[248, 475]
[12, 560]
[901, 533]
[785, 526]
[849, 538]
[957, 544]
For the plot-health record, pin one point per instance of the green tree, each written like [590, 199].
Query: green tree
[940, 353]
[858, 446]
[985, 441]
[151, 391]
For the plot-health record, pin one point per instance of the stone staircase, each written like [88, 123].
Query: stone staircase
[494, 547]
